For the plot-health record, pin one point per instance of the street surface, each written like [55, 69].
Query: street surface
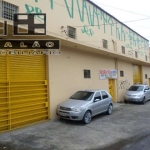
[128, 128]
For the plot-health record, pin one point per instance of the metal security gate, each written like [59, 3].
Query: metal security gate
[137, 77]
[23, 91]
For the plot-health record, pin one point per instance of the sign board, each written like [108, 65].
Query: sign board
[108, 74]
[29, 21]
[29, 44]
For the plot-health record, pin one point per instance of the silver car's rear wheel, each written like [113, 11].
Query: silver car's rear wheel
[87, 117]
[110, 109]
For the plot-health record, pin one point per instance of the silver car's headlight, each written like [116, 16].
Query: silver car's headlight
[77, 109]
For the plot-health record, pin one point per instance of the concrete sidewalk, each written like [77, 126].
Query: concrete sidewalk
[127, 120]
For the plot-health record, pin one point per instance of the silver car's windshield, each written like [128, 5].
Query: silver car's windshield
[82, 95]
[136, 88]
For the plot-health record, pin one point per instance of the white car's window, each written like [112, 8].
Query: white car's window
[136, 88]
[146, 88]
[82, 95]
[97, 96]
[104, 95]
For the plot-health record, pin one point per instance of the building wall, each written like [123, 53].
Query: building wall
[66, 74]
[66, 71]
[92, 26]
[146, 70]
[125, 81]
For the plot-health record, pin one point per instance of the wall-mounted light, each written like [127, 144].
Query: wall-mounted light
[64, 30]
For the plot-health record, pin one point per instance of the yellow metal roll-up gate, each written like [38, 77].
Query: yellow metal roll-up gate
[23, 91]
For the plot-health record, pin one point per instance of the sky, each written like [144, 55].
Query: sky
[137, 10]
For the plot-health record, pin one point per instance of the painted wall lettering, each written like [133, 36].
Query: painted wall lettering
[87, 31]
[51, 4]
[31, 9]
[93, 16]
[124, 84]
[70, 9]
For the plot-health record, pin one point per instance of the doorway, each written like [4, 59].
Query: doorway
[112, 88]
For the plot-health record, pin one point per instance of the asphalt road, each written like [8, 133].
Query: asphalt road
[134, 143]
[128, 128]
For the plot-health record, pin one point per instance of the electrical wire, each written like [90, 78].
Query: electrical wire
[121, 9]
[105, 24]
[114, 23]
[95, 16]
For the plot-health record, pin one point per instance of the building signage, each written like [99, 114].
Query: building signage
[108, 74]
[29, 44]
[29, 22]
[29, 47]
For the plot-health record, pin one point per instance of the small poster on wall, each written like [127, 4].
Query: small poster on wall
[108, 74]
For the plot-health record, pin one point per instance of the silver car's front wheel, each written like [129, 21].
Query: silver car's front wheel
[87, 117]
[110, 109]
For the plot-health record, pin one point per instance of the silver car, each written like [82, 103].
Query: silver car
[83, 105]
[137, 93]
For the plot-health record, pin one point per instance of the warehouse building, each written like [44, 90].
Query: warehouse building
[98, 52]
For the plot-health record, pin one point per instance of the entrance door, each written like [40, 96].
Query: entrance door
[112, 88]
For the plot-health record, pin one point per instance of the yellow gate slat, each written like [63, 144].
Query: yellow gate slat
[4, 109]
[23, 91]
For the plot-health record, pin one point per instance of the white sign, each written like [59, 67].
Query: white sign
[108, 74]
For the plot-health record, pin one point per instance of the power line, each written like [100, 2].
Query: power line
[102, 24]
[122, 9]
[116, 22]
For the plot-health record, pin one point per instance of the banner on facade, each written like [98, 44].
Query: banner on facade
[108, 74]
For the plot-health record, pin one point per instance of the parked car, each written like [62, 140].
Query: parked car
[83, 105]
[137, 93]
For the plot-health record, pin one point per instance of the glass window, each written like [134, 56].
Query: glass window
[97, 96]
[146, 88]
[136, 54]
[121, 74]
[87, 74]
[136, 88]
[105, 44]
[104, 95]
[123, 49]
[145, 76]
[146, 57]
[82, 95]
[8, 10]
[71, 32]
